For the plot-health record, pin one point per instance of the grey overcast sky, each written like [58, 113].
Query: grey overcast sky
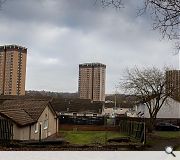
[61, 34]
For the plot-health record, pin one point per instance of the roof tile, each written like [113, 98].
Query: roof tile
[23, 112]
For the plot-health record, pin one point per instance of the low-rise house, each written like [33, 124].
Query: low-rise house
[77, 107]
[110, 110]
[169, 110]
[78, 111]
[114, 111]
[32, 119]
[131, 113]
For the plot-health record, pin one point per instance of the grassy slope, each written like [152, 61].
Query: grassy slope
[88, 137]
[167, 134]
[99, 137]
[165, 137]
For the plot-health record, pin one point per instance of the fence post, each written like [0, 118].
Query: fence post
[133, 129]
[144, 142]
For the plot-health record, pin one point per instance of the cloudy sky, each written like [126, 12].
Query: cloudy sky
[61, 34]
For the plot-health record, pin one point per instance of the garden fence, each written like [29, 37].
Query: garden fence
[134, 130]
[6, 131]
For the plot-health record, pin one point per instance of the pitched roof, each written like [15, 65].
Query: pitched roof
[76, 105]
[119, 105]
[23, 112]
[23, 97]
[175, 98]
[18, 115]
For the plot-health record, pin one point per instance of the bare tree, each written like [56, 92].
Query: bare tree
[2, 2]
[113, 3]
[165, 13]
[149, 85]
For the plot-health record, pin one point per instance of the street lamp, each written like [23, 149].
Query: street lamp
[105, 123]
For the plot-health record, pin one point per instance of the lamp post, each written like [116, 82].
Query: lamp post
[105, 123]
[115, 106]
[115, 98]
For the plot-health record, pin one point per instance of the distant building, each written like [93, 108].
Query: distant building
[120, 109]
[92, 81]
[12, 70]
[173, 82]
[77, 107]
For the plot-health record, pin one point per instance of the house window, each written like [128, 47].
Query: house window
[94, 115]
[36, 128]
[45, 124]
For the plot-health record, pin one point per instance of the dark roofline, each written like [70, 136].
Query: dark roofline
[92, 65]
[51, 108]
[175, 99]
[47, 104]
[20, 125]
[25, 97]
[173, 70]
[13, 46]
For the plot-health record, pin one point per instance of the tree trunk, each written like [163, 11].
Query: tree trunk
[151, 124]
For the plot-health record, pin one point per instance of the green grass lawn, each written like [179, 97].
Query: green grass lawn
[167, 134]
[163, 138]
[89, 137]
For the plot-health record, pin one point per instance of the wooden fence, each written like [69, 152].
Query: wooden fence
[6, 131]
[135, 130]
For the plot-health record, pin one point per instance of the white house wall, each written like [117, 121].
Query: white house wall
[52, 125]
[20, 133]
[170, 109]
[111, 111]
[28, 132]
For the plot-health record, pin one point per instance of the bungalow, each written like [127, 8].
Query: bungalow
[169, 110]
[32, 119]
[77, 107]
